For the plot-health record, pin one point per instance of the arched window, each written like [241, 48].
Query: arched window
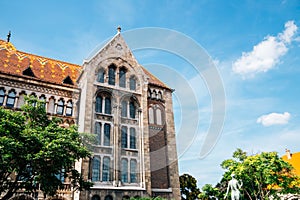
[105, 169]
[21, 100]
[96, 169]
[108, 197]
[132, 138]
[95, 197]
[100, 76]
[124, 143]
[98, 106]
[159, 95]
[124, 170]
[151, 115]
[43, 99]
[122, 77]
[111, 75]
[98, 132]
[106, 141]
[107, 105]
[132, 110]
[2, 95]
[133, 167]
[69, 108]
[153, 94]
[60, 107]
[124, 109]
[11, 99]
[51, 105]
[158, 117]
[132, 83]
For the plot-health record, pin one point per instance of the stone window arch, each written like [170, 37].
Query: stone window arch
[11, 98]
[69, 108]
[156, 114]
[112, 74]
[122, 77]
[51, 105]
[132, 83]
[2, 96]
[60, 107]
[108, 197]
[95, 197]
[103, 103]
[21, 100]
[101, 75]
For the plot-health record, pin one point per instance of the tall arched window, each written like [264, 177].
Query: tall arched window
[2, 95]
[132, 83]
[106, 169]
[21, 100]
[11, 99]
[133, 167]
[69, 108]
[124, 109]
[124, 170]
[95, 197]
[96, 169]
[98, 106]
[132, 138]
[106, 141]
[122, 77]
[100, 76]
[60, 107]
[107, 105]
[43, 99]
[108, 197]
[132, 110]
[159, 95]
[112, 75]
[151, 115]
[51, 105]
[98, 132]
[124, 142]
[158, 117]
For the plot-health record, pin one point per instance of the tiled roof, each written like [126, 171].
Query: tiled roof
[294, 161]
[155, 81]
[18, 63]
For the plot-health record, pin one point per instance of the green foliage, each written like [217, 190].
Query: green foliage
[263, 175]
[209, 192]
[34, 149]
[188, 187]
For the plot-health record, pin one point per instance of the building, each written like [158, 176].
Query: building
[110, 95]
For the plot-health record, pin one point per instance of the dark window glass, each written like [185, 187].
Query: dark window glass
[105, 169]
[132, 138]
[69, 108]
[124, 143]
[100, 77]
[60, 107]
[2, 94]
[132, 110]
[98, 132]
[108, 197]
[107, 105]
[122, 77]
[133, 165]
[132, 83]
[98, 107]
[124, 109]
[124, 170]
[61, 176]
[96, 169]
[95, 197]
[111, 75]
[11, 99]
[106, 135]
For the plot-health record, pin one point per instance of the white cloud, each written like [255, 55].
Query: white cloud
[274, 119]
[267, 53]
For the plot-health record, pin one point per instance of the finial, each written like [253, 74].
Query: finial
[8, 36]
[119, 29]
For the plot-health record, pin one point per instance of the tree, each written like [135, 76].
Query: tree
[263, 175]
[35, 150]
[188, 187]
[209, 192]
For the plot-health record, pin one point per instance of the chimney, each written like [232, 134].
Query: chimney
[288, 154]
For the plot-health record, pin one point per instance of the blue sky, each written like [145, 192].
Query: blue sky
[255, 45]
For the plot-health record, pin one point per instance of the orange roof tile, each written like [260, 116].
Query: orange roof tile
[14, 62]
[294, 161]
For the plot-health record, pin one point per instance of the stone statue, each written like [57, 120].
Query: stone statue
[234, 186]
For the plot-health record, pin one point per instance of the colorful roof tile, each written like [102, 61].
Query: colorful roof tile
[18, 63]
